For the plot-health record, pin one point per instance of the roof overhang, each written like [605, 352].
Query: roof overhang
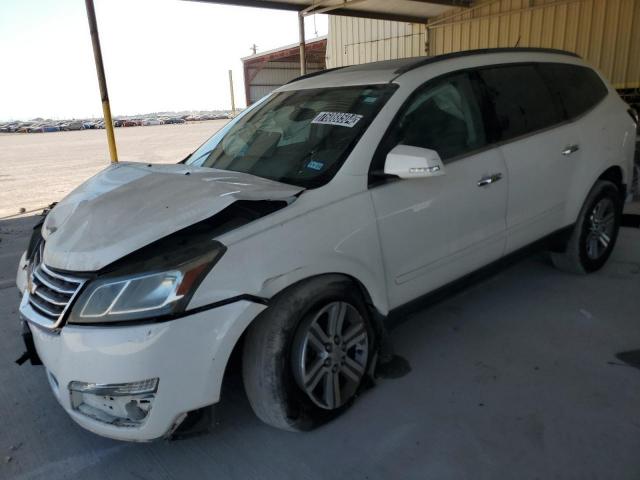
[415, 11]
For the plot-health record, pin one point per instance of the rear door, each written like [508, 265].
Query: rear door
[541, 150]
[434, 230]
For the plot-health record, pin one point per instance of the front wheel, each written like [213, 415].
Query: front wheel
[595, 232]
[306, 356]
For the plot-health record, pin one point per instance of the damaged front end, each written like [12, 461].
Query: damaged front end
[150, 284]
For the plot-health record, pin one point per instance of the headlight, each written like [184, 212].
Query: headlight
[158, 293]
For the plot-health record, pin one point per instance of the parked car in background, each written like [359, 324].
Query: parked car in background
[295, 231]
[23, 127]
[73, 125]
[9, 127]
[35, 128]
[173, 120]
[151, 121]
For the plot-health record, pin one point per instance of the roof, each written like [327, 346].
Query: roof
[308, 44]
[387, 70]
[417, 11]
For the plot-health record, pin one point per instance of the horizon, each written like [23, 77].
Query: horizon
[159, 113]
[151, 66]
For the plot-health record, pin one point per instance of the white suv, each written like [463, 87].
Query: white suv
[300, 227]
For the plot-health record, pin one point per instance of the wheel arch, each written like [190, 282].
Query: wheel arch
[377, 318]
[615, 175]
[577, 196]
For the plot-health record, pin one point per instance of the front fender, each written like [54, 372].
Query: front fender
[341, 237]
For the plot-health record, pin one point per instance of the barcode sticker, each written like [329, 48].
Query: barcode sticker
[340, 119]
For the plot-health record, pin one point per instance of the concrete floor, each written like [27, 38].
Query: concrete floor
[515, 377]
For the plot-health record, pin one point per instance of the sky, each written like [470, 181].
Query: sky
[159, 55]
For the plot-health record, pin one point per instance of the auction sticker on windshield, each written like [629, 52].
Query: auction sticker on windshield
[340, 119]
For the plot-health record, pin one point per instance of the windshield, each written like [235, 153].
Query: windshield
[299, 137]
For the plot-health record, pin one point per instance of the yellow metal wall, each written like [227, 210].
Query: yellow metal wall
[606, 33]
[358, 40]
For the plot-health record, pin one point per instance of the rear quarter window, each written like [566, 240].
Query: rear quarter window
[577, 88]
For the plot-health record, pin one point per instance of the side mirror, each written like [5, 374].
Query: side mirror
[405, 161]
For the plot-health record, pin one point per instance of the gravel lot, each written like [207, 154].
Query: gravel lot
[40, 168]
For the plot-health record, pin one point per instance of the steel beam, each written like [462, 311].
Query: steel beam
[102, 82]
[303, 48]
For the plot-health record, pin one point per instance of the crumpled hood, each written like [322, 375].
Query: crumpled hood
[129, 205]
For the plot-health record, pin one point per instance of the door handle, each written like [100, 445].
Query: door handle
[489, 179]
[570, 149]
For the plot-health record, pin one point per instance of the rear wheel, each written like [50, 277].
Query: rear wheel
[595, 232]
[306, 356]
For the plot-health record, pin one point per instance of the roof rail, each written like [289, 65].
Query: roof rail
[467, 53]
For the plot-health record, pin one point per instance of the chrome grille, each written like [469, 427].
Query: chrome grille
[50, 292]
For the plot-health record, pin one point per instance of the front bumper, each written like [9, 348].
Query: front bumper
[187, 355]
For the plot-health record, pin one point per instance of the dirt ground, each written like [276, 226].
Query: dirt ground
[39, 168]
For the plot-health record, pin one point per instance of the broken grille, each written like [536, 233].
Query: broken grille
[51, 293]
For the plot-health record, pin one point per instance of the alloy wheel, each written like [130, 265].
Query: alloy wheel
[330, 354]
[601, 228]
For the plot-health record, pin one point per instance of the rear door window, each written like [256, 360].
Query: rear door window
[578, 88]
[522, 101]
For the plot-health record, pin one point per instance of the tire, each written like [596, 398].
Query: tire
[588, 249]
[279, 347]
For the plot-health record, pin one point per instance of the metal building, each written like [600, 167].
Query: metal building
[266, 71]
[606, 33]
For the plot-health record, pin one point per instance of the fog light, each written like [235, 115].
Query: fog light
[121, 404]
[116, 389]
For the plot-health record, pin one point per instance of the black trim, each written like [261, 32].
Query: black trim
[422, 61]
[170, 317]
[555, 241]
[469, 53]
[30, 353]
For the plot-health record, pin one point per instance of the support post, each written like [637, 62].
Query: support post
[102, 82]
[303, 49]
[233, 98]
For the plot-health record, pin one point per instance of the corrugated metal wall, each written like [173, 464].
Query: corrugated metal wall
[604, 32]
[275, 74]
[358, 40]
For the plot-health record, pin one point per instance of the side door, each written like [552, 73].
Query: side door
[540, 149]
[435, 230]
